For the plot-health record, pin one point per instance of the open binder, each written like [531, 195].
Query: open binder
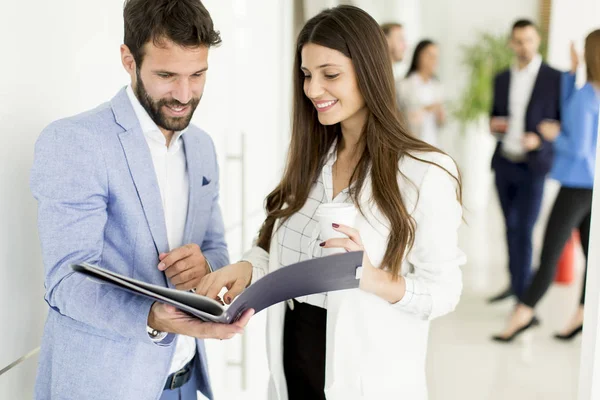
[318, 275]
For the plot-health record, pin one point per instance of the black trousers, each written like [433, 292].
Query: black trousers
[304, 351]
[520, 191]
[572, 210]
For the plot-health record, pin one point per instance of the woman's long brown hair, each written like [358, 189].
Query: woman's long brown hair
[357, 35]
[592, 56]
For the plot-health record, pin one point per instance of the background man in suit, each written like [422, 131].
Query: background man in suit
[133, 187]
[524, 95]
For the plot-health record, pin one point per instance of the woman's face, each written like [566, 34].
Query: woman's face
[331, 85]
[428, 60]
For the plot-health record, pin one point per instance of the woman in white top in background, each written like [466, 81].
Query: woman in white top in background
[420, 94]
[348, 144]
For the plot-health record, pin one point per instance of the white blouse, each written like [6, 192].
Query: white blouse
[377, 350]
[298, 237]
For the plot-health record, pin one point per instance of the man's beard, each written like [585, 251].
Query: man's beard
[154, 108]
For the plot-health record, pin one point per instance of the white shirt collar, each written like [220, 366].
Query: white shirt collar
[148, 126]
[332, 154]
[532, 68]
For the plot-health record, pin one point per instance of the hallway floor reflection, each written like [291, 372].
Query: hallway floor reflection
[464, 363]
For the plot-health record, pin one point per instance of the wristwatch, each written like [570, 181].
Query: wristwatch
[155, 335]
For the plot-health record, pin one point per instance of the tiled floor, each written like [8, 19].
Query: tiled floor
[463, 362]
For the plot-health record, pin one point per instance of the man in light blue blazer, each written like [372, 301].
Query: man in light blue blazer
[133, 187]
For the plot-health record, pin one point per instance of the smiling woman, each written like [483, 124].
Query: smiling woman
[349, 146]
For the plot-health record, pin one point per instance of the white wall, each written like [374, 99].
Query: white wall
[589, 379]
[57, 61]
[453, 24]
[572, 20]
[61, 58]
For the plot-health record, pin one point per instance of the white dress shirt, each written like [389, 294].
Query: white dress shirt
[521, 85]
[413, 95]
[171, 173]
[298, 237]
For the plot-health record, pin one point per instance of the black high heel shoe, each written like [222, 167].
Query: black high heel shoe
[507, 339]
[569, 336]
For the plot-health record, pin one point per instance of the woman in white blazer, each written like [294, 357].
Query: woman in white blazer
[421, 95]
[349, 145]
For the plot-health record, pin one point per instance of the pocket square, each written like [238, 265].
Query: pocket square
[205, 181]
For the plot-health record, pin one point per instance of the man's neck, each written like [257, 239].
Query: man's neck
[168, 136]
[522, 64]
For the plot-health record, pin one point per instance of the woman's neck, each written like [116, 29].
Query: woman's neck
[352, 129]
[426, 76]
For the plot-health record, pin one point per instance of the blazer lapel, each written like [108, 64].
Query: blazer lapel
[537, 87]
[505, 96]
[195, 168]
[142, 171]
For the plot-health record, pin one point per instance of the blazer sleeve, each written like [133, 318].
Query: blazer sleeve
[70, 182]
[495, 112]
[567, 89]
[577, 128]
[259, 259]
[434, 287]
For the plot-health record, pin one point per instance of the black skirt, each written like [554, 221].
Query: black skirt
[304, 351]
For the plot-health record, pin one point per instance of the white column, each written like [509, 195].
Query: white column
[589, 375]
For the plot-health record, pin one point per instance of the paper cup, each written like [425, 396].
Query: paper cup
[334, 213]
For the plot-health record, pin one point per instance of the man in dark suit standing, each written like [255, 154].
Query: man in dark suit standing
[524, 95]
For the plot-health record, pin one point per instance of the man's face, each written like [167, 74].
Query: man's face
[396, 44]
[525, 43]
[169, 82]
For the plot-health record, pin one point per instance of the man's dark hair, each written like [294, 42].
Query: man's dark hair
[523, 23]
[387, 28]
[186, 23]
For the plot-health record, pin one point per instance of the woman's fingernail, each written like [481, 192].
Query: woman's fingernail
[322, 244]
[161, 266]
[335, 225]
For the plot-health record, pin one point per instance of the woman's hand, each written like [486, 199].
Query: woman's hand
[374, 280]
[440, 113]
[234, 277]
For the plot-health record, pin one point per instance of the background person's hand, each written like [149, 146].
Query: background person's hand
[440, 113]
[184, 266]
[531, 141]
[498, 124]
[574, 58]
[166, 318]
[549, 129]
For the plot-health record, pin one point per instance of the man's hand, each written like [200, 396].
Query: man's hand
[185, 266]
[166, 318]
[531, 141]
[499, 124]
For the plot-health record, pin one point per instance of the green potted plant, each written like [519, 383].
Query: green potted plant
[483, 60]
